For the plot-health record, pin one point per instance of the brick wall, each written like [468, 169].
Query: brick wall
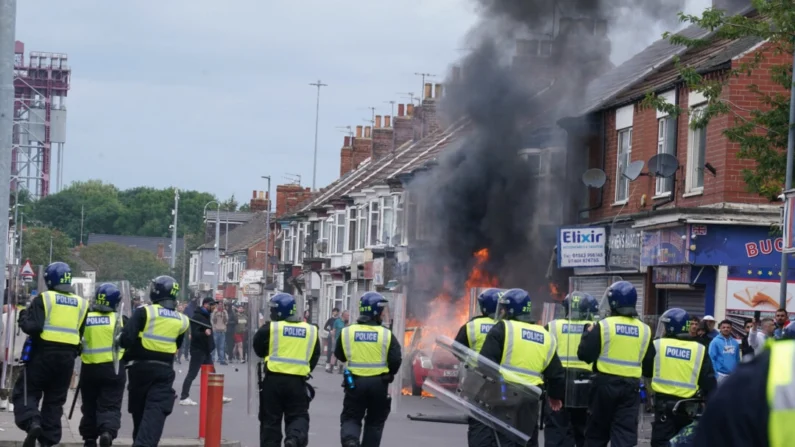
[727, 186]
[362, 146]
[259, 201]
[256, 261]
[383, 137]
[346, 157]
[403, 127]
[289, 197]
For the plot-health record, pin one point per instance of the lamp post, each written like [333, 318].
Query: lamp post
[217, 268]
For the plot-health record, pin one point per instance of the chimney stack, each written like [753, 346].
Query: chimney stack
[377, 121]
[401, 111]
[437, 94]
[387, 121]
[259, 202]
[346, 157]
[383, 138]
[358, 131]
[410, 109]
[290, 197]
[367, 132]
[428, 93]
[346, 142]
[362, 148]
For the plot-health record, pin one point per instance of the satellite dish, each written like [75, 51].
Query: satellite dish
[594, 178]
[663, 165]
[632, 171]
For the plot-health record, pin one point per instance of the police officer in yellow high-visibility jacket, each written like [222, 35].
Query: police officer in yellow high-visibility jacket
[55, 321]
[150, 340]
[566, 428]
[755, 405]
[620, 348]
[101, 388]
[373, 356]
[681, 370]
[526, 353]
[472, 334]
[291, 350]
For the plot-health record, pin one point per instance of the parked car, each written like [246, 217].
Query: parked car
[423, 362]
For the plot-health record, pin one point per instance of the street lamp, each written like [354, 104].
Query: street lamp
[216, 270]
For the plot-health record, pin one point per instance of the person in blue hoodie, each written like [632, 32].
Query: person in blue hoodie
[724, 351]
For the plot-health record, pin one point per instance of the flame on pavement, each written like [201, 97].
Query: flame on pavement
[406, 391]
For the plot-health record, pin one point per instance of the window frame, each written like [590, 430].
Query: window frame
[387, 231]
[621, 180]
[340, 232]
[666, 144]
[374, 224]
[362, 228]
[351, 235]
[287, 245]
[401, 222]
[692, 165]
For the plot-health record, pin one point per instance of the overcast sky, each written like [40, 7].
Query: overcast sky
[211, 95]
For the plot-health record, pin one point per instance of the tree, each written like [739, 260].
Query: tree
[116, 262]
[36, 243]
[761, 133]
[245, 207]
[229, 204]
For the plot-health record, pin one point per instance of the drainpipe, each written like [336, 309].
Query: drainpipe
[676, 149]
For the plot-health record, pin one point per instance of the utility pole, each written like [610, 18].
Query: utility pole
[226, 231]
[21, 234]
[217, 249]
[82, 215]
[422, 88]
[174, 230]
[184, 263]
[8, 17]
[392, 108]
[317, 84]
[782, 298]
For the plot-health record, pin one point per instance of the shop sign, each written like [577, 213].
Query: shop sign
[581, 246]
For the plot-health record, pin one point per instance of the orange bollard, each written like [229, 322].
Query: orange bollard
[215, 411]
[206, 371]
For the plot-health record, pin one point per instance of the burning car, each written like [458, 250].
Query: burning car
[424, 362]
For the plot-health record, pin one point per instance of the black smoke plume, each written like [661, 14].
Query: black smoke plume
[481, 194]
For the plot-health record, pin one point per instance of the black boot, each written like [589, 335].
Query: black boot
[34, 431]
[105, 439]
[89, 443]
[290, 442]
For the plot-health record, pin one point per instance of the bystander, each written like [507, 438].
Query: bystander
[724, 351]
[329, 328]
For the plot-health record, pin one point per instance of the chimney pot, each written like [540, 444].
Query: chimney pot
[410, 109]
[358, 131]
[387, 121]
[254, 195]
[347, 142]
[401, 109]
[367, 132]
[438, 91]
[428, 88]
[378, 121]
[260, 194]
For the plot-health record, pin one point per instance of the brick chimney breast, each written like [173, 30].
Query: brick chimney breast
[346, 157]
[362, 150]
[290, 197]
[383, 141]
[403, 127]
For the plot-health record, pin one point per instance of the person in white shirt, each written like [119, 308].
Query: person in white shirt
[761, 331]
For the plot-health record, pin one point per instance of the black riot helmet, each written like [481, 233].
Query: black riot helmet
[163, 288]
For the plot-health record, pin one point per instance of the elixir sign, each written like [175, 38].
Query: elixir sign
[581, 247]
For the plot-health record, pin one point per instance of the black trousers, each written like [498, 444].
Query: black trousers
[49, 374]
[197, 359]
[283, 397]
[369, 401]
[666, 425]
[479, 434]
[102, 391]
[565, 428]
[527, 422]
[613, 412]
[150, 399]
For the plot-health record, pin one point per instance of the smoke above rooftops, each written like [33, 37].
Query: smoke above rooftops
[528, 65]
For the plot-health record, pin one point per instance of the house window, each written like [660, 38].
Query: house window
[300, 241]
[352, 234]
[363, 211]
[624, 157]
[387, 220]
[287, 246]
[666, 138]
[375, 221]
[339, 236]
[400, 220]
[534, 163]
[323, 244]
[696, 154]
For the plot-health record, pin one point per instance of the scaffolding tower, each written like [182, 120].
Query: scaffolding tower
[40, 87]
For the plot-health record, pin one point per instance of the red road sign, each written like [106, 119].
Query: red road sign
[27, 270]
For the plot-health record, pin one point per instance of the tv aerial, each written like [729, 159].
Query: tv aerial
[663, 165]
[632, 170]
[594, 178]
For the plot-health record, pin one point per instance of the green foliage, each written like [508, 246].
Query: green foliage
[761, 133]
[36, 247]
[115, 262]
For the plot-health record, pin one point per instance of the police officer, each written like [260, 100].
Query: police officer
[374, 356]
[527, 355]
[567, 427]
[620, 347]
[754, 405]
[681, 370]
[102, 388]
[55, 321]
[291, 350]
[150, 340]
[472, 334]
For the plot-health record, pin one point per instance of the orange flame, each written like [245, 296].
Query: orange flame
[554, 291]
[407, 392]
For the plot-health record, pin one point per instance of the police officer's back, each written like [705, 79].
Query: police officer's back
[567, 427]
[681, 370]
[374, 356]
[291, 351]
[150, 340]
[526, 354]
[618, 346]
[55, 321]
[754, 405]
[473, 334]
[101, 387]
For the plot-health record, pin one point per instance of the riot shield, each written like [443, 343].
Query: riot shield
[506, 407]
[254, 362]
[568, 332]
[397, 323]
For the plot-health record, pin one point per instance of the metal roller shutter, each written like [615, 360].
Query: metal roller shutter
[690, 300]
[593, 285]
[638, 281]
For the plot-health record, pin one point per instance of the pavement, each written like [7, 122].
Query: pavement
[242, 429]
